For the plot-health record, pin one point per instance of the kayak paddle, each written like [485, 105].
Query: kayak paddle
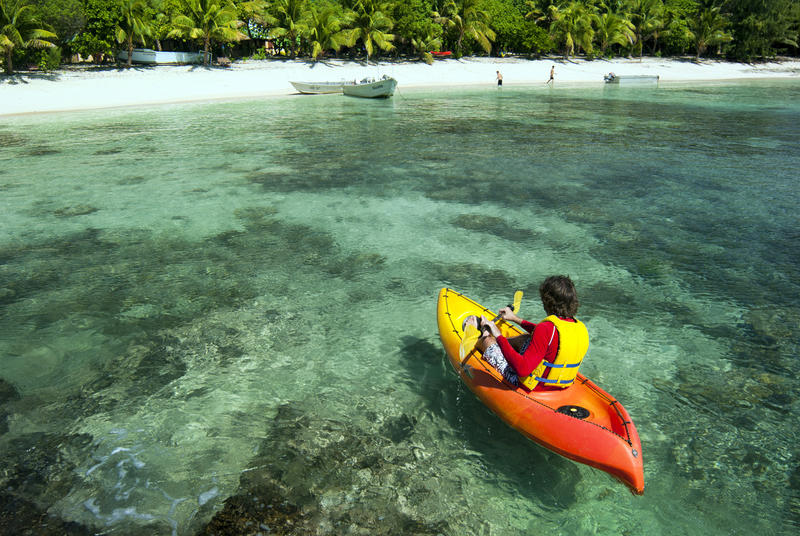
[514, 306]
[471, 336]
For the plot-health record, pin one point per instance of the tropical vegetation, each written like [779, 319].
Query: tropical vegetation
[20, 29]
[367, 29]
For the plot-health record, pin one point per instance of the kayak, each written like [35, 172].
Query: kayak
[582, 422]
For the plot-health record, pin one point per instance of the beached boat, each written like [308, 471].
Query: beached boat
[582, 422]
[155, 57]
[371, 88]
[645, 79]
[320, 88]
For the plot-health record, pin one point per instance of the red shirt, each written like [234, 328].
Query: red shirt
[543, 346]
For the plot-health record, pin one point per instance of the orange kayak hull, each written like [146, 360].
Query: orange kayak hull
[582, 423]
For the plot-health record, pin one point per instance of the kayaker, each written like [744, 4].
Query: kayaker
[549, 356]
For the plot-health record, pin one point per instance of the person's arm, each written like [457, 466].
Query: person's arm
[543, 335]
[508, 314]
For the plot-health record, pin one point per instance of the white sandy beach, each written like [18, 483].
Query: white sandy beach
[83, 89]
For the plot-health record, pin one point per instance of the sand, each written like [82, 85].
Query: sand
[93, 88]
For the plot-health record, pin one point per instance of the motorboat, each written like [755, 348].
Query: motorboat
[371, 88]
[632, 79]
[321, 88]
[158, 57]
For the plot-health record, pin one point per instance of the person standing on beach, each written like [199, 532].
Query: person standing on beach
[552, 75]
[499, 79]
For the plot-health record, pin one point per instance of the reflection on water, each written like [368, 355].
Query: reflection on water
[219, 317]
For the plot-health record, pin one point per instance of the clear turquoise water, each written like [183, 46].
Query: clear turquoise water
[206, 300]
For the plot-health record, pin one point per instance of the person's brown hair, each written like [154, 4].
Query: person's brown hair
[559, 296]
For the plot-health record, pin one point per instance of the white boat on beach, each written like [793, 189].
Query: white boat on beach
[320, 88]
[631, 79]
[157, 57]
[371, 88]
[368, 87]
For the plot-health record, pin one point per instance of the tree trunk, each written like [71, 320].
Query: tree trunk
[206, 58]
[9, 64]
[130, 51]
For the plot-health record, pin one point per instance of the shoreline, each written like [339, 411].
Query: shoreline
[75, 89]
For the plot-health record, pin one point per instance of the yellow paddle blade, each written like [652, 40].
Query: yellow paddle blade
[471, 336]
[517, 301]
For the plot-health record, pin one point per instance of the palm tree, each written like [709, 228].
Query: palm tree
[613, 29]
[257, 11]
[160, 26]
[20, 29]
[371, 25]
[423, 46]
[207, 20]
[466, 19]
[648, 21]
[540, 10]
[709, 28]
[324, 31]
[135, 25]
[290, 15]
[573, 25]
[255, 15]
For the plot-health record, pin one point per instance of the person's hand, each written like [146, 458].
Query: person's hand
[507, 313]
[491, 326]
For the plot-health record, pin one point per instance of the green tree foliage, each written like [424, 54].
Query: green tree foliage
[135, 25]
[256, 16]
[371, 26]
[423, 46]
[678, 38]
[465, 20]
[573, 27]
[207, 20]
[647, 17]
[415, 28]
[613, 29]
[535, 39]
[98, 36]
[324, 30]
[508, 23]
[290, 22]
[20, 29]
[742, 29]
[709, 28]
[762, 27]
[65, 17]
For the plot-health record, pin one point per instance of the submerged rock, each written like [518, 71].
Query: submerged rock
[22, 517]
[320, 476]
[260, 510]
[38, 467]
[77, 210]
[7, 392]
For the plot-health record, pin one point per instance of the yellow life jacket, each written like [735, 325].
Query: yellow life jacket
[573, 343]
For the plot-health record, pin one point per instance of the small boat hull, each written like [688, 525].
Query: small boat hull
[627, 80]
[378, 89]
[319, 88]
[582, 423]
[155, 57]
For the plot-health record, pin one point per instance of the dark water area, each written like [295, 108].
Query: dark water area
[219, 318]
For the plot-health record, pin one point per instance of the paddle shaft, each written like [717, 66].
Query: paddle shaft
[514, 308]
